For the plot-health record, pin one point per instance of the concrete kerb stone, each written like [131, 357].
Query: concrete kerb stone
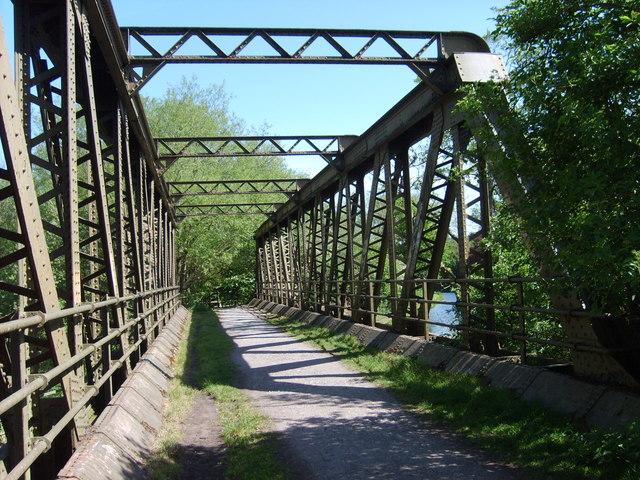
[371, 336]
[263, 306]
[343, 327]
[163, 344]
[156, 376]
[511, 376]
[416, 348]
[387, 341]
[146, 389]
[614, 408]
[159, 360]
[594, 404]
[131, 434]
[436, 355]
[354, 329]
[330, 322]
[468, 363]
[564, 394]
[172, 335]
[167, 343]
[269, 307]
[117, 446]
[138, 406]
[308, 317]
[339, 325]
[99, 458]
[400, 345]
[319, 320]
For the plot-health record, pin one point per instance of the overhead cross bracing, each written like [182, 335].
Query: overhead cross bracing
[178, 190]
[198, 210]
[171, 149]
[423, 52]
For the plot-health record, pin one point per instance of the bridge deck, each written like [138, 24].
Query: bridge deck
[337, 424]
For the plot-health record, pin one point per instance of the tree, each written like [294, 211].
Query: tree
[216, 255]
[570, 125]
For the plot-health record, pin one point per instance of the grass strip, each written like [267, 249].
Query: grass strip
[252, 451]
[522, 433]
[163, 463]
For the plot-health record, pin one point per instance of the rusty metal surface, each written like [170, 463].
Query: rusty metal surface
[433, 50]
[85, 221]
[197, 210]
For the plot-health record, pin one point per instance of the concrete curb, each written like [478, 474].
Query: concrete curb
[118, 444]
[596, 405]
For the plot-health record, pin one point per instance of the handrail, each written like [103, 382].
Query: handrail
[43, 443]
[349, 298]
[37, 319]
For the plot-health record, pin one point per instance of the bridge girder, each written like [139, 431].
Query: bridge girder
[429, 55]
[89, 270]
[345, 246]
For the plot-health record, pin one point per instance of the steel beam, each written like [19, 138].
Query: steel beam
[179, 190]
[226, 209]
[90, 224]
[170, 149]
[423, 51]
[105, 31]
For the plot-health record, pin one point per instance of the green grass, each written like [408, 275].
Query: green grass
[252, 451]
[163, 463]
[519, 432]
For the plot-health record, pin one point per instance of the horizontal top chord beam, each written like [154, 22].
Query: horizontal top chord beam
[422, 51]
[169, 149]
[255, 145]
[226, 209]
[178, 190]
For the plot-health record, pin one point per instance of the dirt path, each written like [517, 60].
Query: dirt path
[339, 425]
[201, 446]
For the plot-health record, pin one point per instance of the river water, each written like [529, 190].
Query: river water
[444, 314]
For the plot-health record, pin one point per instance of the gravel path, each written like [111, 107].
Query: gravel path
[338, 425]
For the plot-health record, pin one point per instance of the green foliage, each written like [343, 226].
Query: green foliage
[618, 451]
[522, 433]
[215, 254]
[239, 289]
[9, 273]
[571, 131]
[511, 258]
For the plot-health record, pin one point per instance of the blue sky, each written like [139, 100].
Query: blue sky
[303, 99]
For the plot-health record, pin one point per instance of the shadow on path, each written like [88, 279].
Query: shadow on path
[337, 423]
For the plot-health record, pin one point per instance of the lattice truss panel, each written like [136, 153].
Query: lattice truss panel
[153, 47]
[391, 221]
[80, 222]
[368, 241]
[171, 149]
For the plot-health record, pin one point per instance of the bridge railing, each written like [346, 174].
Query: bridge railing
[531, 332]
[153, 309]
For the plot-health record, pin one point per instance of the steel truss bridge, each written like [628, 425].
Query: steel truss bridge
[88, 261]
